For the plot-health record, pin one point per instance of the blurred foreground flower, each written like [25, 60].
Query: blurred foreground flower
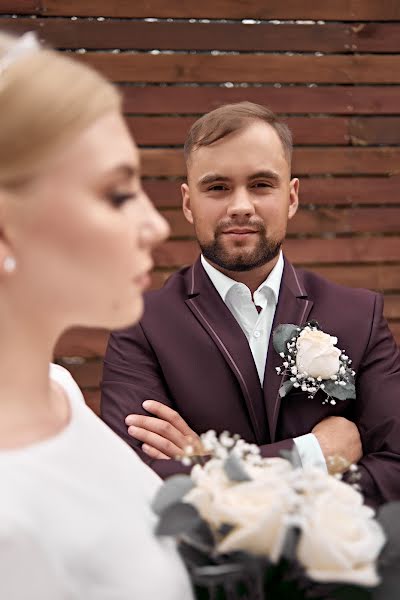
[252, 528]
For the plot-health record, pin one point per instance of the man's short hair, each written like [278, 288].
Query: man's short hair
[226, 119]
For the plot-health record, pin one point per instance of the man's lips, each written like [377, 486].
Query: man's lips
[240, 230]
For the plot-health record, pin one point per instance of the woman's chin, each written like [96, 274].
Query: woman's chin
[128, 317]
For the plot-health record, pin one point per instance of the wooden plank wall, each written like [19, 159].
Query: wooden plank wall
[332, 69]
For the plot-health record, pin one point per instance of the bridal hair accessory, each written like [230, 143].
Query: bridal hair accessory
[25, 45]
[9, 264]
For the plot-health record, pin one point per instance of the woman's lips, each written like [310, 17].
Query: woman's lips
[143, 281]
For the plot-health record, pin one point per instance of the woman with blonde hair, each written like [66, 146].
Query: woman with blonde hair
[76, 235]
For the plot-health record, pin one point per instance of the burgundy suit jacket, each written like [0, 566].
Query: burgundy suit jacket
[189, 352]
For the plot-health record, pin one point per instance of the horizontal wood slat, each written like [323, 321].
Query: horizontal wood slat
[170, 131]
[287, 99]
[306, 161]
[87, 374]
[395, 329]
[239, 37]
[373, 276]
[320, 191]
[186, 68]
[349, 10]
[374, 130]
[92, 399]
[392, 306]
[359, 131]
[82, 341]
[317, 222]
[308, 251]
[20, 7]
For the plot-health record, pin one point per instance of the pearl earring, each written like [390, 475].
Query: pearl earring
[9, 264]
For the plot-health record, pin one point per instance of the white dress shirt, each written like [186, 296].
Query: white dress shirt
[257, 328]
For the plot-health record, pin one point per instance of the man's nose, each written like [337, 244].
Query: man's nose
[240, 203]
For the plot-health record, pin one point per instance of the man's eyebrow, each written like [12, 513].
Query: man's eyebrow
[266, 175]
[211, 178]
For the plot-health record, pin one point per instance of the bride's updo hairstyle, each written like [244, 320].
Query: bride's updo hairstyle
[45, 98]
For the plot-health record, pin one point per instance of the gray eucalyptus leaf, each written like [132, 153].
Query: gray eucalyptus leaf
[282, 335]
[171, 492]
[289, 550]
[285, 388]
[340, 392]
[234, 469]
[178, 519]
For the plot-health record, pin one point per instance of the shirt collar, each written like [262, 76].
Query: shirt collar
[223, 284]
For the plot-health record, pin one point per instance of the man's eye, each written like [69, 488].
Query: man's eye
[261, 184]
[217, 188]
[118, 199]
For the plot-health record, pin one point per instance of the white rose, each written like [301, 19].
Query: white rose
[316, 354]
[211, 476]
[269, 469]
[209, 480]
[257, 511]
[340, 542]
[311, 482]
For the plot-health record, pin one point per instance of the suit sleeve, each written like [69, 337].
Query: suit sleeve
[131, 375]
[377, 412]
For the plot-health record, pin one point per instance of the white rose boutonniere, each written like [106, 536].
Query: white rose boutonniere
[317, 354]
[313, 362]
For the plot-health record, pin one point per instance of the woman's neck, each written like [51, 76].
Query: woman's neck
[32, 408]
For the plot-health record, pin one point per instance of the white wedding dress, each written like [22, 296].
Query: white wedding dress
[76, 521]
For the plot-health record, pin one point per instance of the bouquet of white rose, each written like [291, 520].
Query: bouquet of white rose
[251, 528]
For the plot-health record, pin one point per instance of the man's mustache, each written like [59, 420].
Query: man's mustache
[224, 226]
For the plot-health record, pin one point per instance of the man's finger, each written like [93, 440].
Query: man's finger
[156, 441]
[162, 428]
[167, 414]
[154, 453]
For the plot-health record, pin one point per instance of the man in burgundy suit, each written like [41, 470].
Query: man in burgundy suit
[202, 356]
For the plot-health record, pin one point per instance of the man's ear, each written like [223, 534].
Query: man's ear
[294, 186]
[187, 211]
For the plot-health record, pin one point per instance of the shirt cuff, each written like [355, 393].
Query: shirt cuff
[310, 451]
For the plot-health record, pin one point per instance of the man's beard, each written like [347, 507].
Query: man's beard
[265, 250]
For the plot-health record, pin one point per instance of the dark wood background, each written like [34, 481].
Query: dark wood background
[332, 69]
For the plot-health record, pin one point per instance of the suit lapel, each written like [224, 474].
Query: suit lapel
[214, 316]
[293, 307]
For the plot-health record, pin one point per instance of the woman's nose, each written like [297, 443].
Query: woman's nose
[155, 228]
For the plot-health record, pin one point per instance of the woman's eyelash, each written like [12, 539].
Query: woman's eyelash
[119, 199]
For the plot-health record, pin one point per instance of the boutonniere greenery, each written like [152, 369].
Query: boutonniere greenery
[312, 362]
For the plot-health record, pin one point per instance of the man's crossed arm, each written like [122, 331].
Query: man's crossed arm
[166, 435]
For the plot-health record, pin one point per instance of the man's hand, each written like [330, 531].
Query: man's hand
[164, 436]
[339, 437]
